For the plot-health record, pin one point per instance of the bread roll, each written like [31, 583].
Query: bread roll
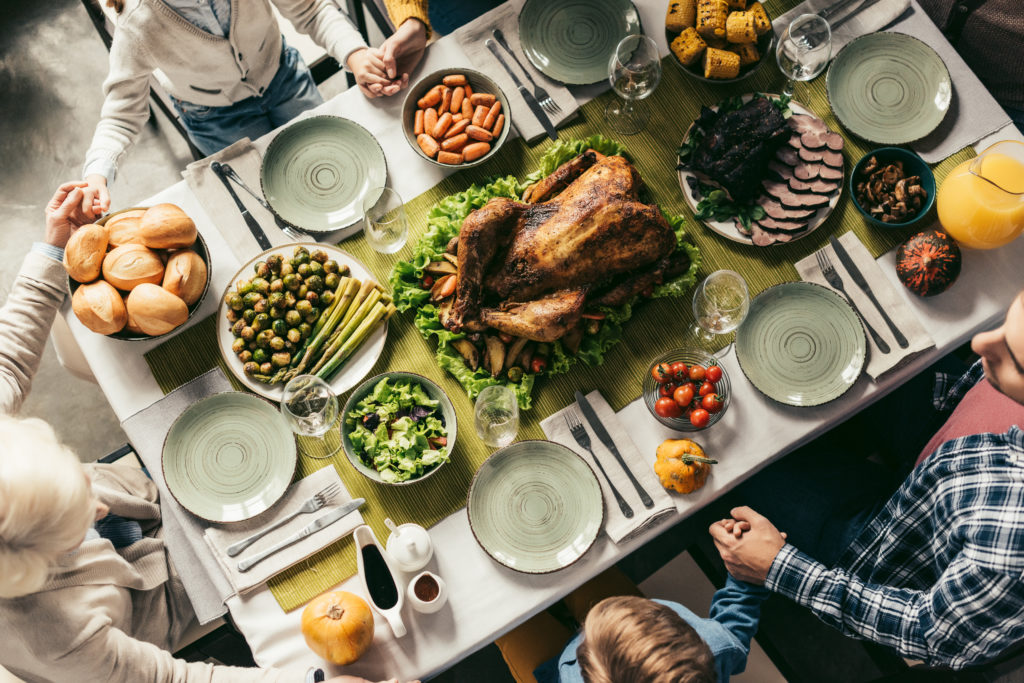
[84, 252]
[131, 325]
[100, 308]
[165, 226]
[124, 228]
[185, 275]
[129, 265]
[155, 310]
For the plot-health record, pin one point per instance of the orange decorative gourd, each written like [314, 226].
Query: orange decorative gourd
[338, 626]
[681, 465]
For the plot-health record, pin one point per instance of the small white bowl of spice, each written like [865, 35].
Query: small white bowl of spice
[427, 592]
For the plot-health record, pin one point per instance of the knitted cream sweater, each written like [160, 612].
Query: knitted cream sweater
[199, 67]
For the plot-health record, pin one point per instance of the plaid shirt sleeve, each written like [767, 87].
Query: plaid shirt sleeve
[960, 621]
[950, 389]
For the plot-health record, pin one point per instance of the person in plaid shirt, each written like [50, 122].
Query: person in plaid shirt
[934, 570]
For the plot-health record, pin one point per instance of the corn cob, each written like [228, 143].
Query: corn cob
[719, 43]
[681, 15]
[739, 28]
[711, 16]
[748, 53]
[721, 64]
[737, 5]
[762, 24]
[688, 46]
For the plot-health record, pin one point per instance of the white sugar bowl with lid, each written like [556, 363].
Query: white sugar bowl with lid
[409, 545]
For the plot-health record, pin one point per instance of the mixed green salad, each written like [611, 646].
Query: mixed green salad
[444, 222]
[398, 430]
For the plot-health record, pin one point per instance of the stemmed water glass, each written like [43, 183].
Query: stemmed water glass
[311, 409]
[803, 50]
[385, 225]
[720, 304]
[634, 71]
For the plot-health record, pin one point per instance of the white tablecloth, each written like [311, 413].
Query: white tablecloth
[485, 598]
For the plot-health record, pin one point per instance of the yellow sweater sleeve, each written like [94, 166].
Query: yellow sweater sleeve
[400, 10]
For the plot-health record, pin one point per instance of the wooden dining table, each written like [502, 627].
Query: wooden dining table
[487, 599]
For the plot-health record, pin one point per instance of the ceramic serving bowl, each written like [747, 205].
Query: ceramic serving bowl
[433, 391]
[912, 165]
[199, 247]
[690, 357]
[480, 83]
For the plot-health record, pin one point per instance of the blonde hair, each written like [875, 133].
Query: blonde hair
[629, 639]
[46, 504]
[116, 5]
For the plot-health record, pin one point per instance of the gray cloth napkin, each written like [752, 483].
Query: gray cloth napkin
[220, 536]
[891, 300]
[221, 208]
[616, 525]
[869, 20]
[201, 575]
[506, 17]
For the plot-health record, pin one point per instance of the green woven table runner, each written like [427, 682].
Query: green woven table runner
[657, 327]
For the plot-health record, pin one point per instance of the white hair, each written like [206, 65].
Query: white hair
[46, 504]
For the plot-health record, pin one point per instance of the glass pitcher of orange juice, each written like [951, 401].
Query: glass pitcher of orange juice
[981, 202]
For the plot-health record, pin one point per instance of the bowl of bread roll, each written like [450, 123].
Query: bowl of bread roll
[719, 41]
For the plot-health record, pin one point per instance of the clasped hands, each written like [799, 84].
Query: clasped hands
[385, 70]
[748, 544]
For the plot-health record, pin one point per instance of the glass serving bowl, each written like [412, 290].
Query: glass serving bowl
[690, 357]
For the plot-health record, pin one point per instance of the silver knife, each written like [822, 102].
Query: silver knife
[859, 280]
[528, 97]
[254, 226]
[595, 423]
[311, 528]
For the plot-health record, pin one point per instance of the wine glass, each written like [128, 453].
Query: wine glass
[803, 50]
[720, 304]
[385, 224]
[311, 409]
[634, 71]
[496, 415]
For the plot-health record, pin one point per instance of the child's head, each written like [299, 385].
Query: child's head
[628, 639]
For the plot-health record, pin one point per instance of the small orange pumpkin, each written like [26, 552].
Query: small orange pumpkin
[338, 626]
[681, 465]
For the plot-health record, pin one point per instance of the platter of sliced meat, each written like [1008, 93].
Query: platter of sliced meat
[789, 166]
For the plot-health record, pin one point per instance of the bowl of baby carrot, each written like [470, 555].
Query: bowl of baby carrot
[456, 117]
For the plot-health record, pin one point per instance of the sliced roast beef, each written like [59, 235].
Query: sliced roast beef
[743, 230]
[794, 141]
[833, 159]
[817, 185]
[793, 200]
[810, 155]
[763, 238]
[779, 170]
[814, 139]
[834, 142]
[804, 123]
[807, 171]
[769, 223]
[829, 173]
[775, 209]
[788, 156]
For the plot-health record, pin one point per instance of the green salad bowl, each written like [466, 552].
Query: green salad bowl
[365, 389]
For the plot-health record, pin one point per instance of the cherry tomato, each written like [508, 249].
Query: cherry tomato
[699, 417]
[683, 395]
[714, 373]
[679, 370]
[538, 365]
[712, 403]
[697, 373]
[706, 388]
[662, 373]
[428, 281]
[666, 407]
[666, 390]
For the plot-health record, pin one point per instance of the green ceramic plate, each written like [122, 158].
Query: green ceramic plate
[535, 506]
[317, 170]
[571, 40]
[889, 88]
[801, 344]
[229, 457]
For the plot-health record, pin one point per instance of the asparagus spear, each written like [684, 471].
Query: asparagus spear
[365, 288]
[378, 314]
[342, 285]
[316, 340]
[347, 330]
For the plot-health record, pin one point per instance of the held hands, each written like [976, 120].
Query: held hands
[748, 544]
[367, 65]
[404, 49]
[71, 206]
[100, 194]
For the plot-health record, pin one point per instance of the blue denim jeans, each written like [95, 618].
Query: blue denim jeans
[291, 92]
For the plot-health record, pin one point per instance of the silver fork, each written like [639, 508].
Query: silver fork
[284, 225]
[541, 95]
[832, 277]
[583, 439]
[319, 499]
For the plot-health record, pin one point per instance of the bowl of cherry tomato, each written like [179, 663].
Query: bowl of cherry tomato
[687, 390]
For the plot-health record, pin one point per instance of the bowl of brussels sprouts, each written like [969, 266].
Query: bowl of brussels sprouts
[302, 308]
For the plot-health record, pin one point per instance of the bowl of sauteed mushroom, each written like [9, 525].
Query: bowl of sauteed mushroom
[892, 187]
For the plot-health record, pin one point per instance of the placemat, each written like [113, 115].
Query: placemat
[657, 327]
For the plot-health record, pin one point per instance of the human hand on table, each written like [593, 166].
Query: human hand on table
[68, 209]
[403, 50]
[749, 545]
[367, 65]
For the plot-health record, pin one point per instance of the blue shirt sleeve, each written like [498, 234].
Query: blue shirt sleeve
[737, 608]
